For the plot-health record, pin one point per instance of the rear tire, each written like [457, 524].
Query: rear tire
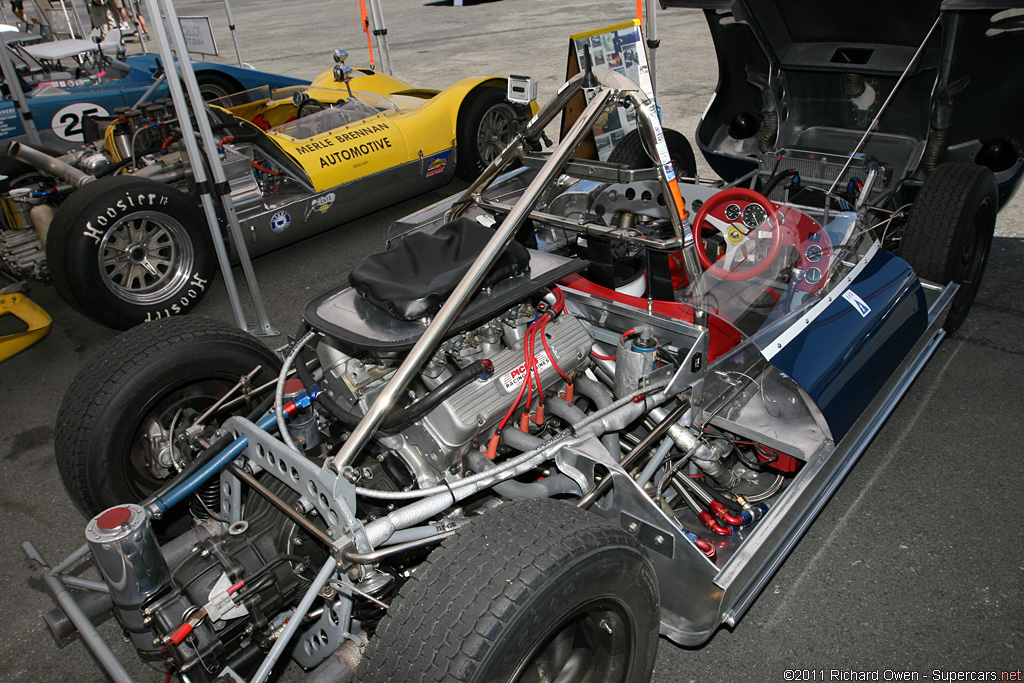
[147, 373]
[213, 86]
[632, 153]
[531, 585]
[487, 123]
[949, 232]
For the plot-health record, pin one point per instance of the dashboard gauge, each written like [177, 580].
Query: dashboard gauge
[732, 212]
[812, 276]
[754, 215]
[813, 253]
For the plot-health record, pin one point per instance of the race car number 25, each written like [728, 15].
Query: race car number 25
[67, 122]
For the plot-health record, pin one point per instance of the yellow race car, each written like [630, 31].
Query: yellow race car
[131, 244]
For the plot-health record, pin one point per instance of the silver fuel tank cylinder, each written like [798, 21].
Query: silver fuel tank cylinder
[126, 551]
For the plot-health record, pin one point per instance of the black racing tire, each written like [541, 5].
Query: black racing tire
[948, 234]
[511, 592]
[128, 250]
[214, 86]
[632, 153]
[147, 373]
[487, 123]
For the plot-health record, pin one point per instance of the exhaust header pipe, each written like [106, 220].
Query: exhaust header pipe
[44, 162]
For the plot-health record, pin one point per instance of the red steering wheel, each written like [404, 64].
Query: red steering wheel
[745, 238]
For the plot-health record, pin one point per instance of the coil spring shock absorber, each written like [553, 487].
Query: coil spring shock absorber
[205, 500]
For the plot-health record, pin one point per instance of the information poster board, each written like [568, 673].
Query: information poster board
[618, 48]
[198, 35]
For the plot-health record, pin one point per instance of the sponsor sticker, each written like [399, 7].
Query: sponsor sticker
[511, 380]
[859, 304]
[437, 164]
[280, 221]
[322, 203]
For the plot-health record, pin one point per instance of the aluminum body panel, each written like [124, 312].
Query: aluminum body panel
[843, 357]
[280, 221]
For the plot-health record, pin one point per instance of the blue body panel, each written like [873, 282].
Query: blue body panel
[847, 353]
[58, 117]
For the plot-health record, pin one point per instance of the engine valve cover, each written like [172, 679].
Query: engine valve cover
[478, 406]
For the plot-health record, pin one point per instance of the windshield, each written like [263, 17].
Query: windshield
[314, 117]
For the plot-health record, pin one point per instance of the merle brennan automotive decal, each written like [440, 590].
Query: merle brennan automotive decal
[280, 221]
[196, 286]
[354, 152]
[137, 201]
[331, 143]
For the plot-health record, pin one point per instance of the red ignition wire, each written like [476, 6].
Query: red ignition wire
[528, 361]
[538, 417]
[551, 357]
[492, 446]
[598, 356]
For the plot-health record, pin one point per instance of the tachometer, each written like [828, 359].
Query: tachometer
[754, 215]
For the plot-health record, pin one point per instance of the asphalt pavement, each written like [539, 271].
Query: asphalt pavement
[914, 566]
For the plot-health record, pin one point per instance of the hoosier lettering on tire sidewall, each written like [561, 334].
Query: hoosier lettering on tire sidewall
[130, 250]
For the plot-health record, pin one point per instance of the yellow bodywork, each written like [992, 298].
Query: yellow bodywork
[35, 318]
[422, 124]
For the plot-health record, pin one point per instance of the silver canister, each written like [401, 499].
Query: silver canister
[126, 551]
[302, 425]
[635, 358]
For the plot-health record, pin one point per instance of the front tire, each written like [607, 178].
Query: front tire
[128, 250]
[487, 123]
[532, 586]
[139, 380]
[948, 235]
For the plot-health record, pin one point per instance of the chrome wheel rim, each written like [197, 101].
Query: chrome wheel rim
[145, 257]
[497, 127]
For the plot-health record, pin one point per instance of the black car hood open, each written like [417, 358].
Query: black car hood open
[825, 69]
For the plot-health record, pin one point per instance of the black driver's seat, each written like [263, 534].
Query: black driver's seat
[413, 278]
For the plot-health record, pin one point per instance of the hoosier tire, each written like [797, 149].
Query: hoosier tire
[631, 153]
[127, 250]
[139, 379]
[949, 232]
[531, 586]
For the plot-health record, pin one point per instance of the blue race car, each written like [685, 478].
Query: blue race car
[61, 92]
